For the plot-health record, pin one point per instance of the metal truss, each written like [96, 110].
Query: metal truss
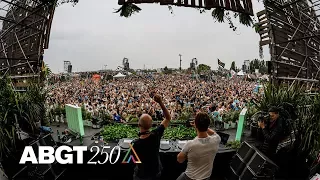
[292, 31]
[24, 34]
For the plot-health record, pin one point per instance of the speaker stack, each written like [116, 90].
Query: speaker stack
[249, 163]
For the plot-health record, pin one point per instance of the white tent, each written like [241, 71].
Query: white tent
[119, 75]
[265, 77]
[240, 73]
[129, 73]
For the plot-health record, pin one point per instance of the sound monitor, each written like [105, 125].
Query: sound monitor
[237, 165]
[262, 165]
[246, 151]
[249, 174]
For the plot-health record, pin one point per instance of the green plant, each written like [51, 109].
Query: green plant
[235, 116]
[133, 119]
[234, 144]
[275, 95]
[307, 133]
[185, 115]
[23, 109]
[251, 111]
[119, 131]
[128, 9]
[179, 132]
[57, 111]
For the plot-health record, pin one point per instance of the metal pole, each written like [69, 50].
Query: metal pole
[180, 62]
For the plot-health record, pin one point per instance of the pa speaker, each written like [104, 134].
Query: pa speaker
[246, 151]
[269, 65]
[237, 165]
[262, 165]
[249, 174]
[69, 68]
[231, 175]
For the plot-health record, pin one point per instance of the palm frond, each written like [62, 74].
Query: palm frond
[245, 19]
[218, 14]
[128, 9]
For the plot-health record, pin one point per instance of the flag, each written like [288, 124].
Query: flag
[221, 63]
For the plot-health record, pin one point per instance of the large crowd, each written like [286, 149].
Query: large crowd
[133, 96]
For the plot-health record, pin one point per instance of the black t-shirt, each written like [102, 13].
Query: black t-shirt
[148, 151]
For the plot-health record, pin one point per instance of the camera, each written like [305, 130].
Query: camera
[264, 117]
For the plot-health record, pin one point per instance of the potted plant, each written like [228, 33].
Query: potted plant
[226, 119]
[235, 119]
[63, 114]
[57, 113]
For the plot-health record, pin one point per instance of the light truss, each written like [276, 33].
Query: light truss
[24, 34]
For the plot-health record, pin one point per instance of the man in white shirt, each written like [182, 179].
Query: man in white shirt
[201, 151]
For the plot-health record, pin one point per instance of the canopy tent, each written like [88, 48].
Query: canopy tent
[119, 75]
[96, 76]
[129, 73]
[240, 73]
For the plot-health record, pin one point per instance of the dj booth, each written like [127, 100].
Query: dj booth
[229, 164]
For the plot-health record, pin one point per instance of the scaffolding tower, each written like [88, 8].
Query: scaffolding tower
[291, 30]
[24, 34]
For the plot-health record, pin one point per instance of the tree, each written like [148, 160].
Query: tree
[258, 64]
[233, 66]
[203, 68]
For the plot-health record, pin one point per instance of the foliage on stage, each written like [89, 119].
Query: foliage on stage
[307, 127]
[232, 116]
[118, 131]
[275, 95]
[303, 112]
[179, 132]
[26, 109]
[234, 144]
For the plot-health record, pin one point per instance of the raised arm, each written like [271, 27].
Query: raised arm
[210, 132]
[166, 113]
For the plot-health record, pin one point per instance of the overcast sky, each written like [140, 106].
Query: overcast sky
[90, 35]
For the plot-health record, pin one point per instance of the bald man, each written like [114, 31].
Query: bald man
[147, 146]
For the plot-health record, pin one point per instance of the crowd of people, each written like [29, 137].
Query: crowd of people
[133, 96]
[163, 97]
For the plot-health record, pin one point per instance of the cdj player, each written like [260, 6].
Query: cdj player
[180, 144]
[124, 143]
[165, 145]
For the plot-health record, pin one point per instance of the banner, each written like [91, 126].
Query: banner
[220, 63]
